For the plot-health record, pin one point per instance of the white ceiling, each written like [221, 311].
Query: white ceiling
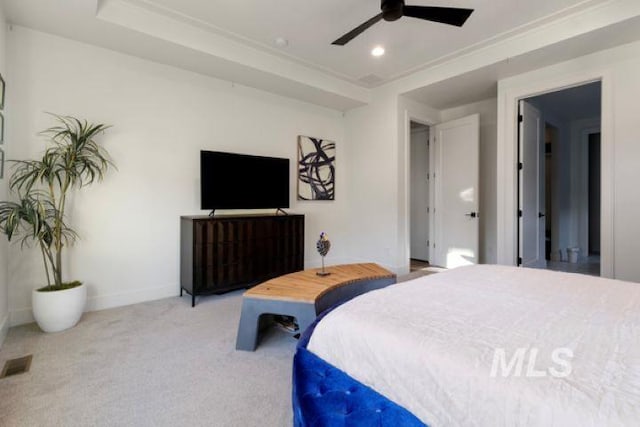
[234, 40]
[481, 83]
[311, 26]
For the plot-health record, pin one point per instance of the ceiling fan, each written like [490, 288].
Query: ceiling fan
[395, 9]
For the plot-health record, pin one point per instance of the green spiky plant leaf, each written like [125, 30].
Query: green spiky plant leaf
[73, 160]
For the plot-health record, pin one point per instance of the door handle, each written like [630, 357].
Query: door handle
[472, 214]
[540, 215]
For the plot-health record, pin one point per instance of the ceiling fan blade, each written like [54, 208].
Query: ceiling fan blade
[357, 31]
[445, 15]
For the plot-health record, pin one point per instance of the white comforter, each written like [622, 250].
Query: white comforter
[429, 345]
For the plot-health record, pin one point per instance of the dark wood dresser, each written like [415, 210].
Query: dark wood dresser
[223, 253]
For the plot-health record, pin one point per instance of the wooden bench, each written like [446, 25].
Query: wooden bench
[304, 295]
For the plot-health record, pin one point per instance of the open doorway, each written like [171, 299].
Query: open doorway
[419, 196]
[559, 181]
[443, 179]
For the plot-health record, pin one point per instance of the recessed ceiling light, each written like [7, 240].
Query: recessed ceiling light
[282, 42]
[377, 51]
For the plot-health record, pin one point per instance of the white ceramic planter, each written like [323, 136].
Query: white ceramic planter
[59, 310]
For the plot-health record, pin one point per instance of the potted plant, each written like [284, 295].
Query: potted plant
[42, 187]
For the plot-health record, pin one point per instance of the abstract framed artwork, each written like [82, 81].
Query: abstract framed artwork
[1, 163]
[1, 128]
[316, 168]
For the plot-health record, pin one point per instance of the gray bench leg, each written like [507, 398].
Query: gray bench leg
[247, 338]
[253, 308]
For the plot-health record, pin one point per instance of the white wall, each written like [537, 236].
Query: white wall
[372, 179]
[161, 117]
[619, 68]
[4, 299]
[488, 110]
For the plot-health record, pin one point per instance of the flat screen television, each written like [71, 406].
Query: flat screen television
[240, 181]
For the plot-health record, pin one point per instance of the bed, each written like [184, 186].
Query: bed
[476, 346]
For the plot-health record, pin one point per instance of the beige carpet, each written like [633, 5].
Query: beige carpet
[419, 273]
[159, 363]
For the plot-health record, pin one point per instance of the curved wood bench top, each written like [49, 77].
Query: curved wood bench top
[307, 286]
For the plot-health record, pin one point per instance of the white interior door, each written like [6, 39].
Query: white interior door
[532, 201]
[455, 182]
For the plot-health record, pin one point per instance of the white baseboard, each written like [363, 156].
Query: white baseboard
[21, 316]
[102, 302]
[4, 328]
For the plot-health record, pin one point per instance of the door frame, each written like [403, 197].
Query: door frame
[404, 232]
[508, 97]
[540, 153]
[409, 186]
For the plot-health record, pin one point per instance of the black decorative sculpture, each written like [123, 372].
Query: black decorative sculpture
[323, 245]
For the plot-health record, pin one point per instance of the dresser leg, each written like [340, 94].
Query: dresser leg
[193, 300]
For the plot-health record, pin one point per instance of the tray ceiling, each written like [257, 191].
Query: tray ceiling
[310, 27]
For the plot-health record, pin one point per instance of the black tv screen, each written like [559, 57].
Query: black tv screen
[239, 181]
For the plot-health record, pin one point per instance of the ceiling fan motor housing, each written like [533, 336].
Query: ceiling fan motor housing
[392, 9]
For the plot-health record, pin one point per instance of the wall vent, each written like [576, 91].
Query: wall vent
[371, 80]
[16, 366]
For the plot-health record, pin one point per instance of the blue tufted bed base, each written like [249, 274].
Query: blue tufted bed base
[324, 396]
